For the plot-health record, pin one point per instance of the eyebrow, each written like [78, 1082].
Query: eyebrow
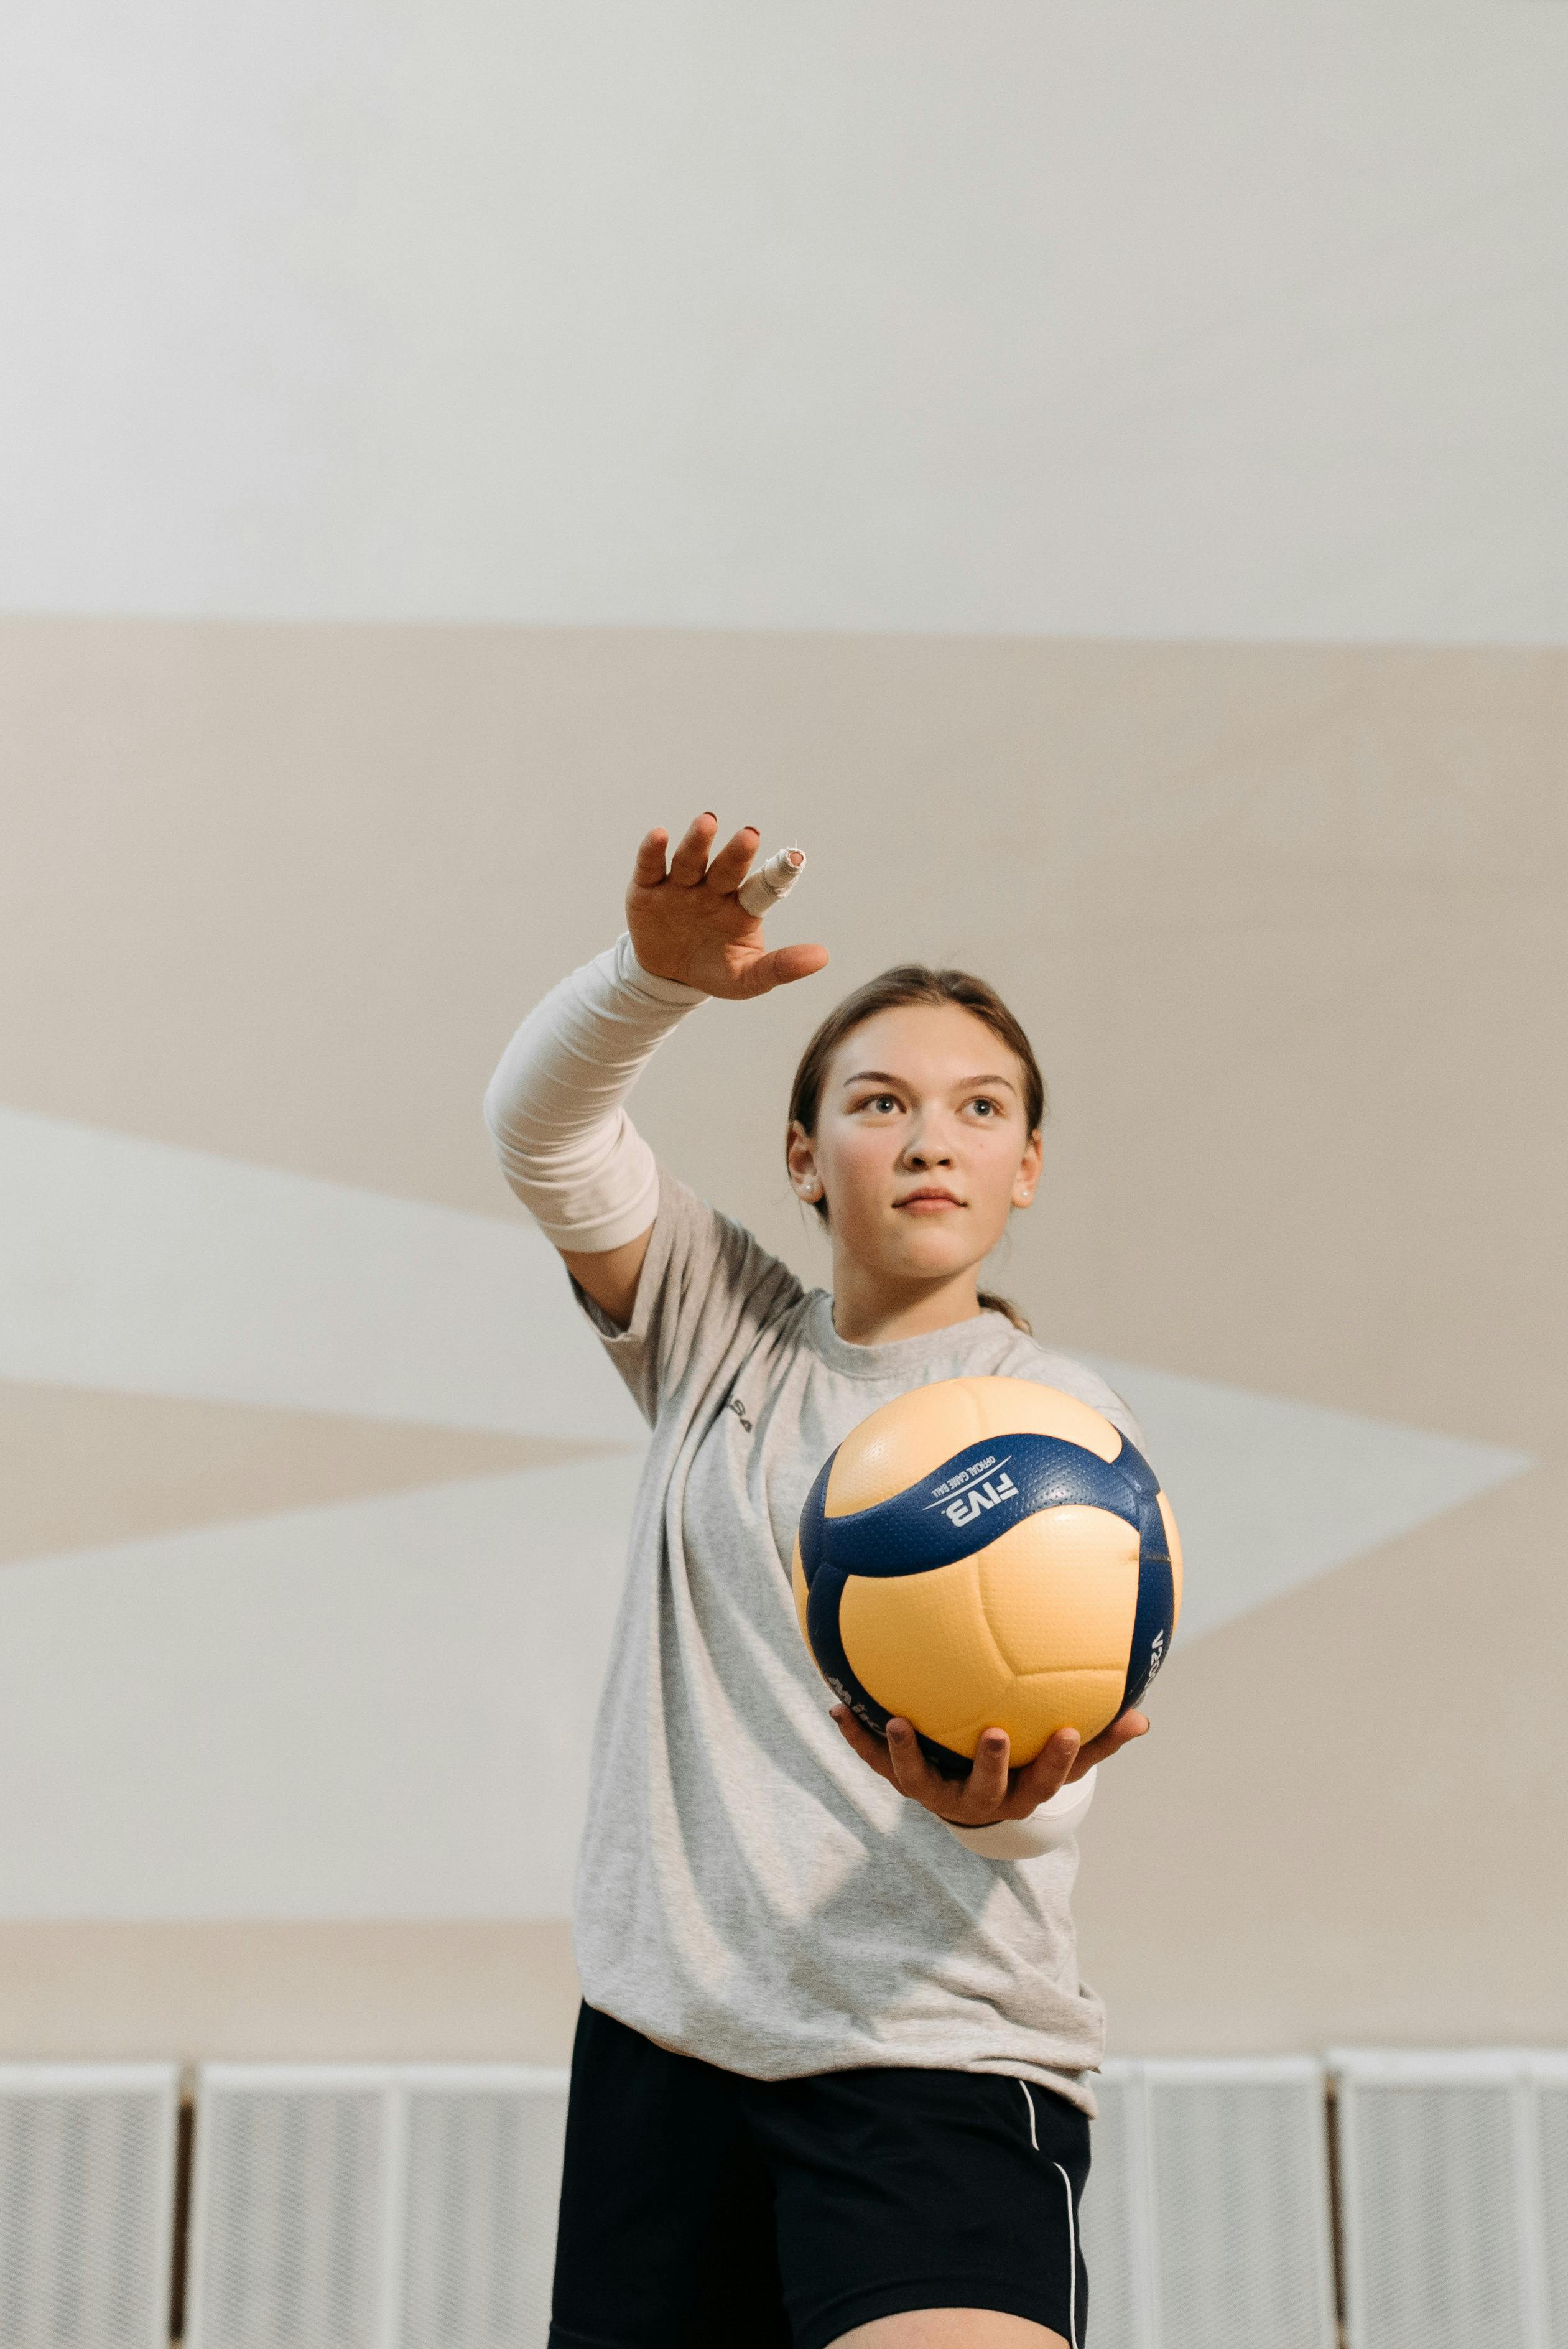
[885, 1077]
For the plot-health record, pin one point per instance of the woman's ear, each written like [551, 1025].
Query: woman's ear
[1026, 1180]
[801, 1158]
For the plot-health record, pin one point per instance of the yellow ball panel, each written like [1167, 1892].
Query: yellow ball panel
[1036, 1708]
[919, 1644]
[1060, 1590]
[903, 1441]
[797, 1585]
[1175, 1540]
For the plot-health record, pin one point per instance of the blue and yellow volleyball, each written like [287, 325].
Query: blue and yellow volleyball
[988, 1553]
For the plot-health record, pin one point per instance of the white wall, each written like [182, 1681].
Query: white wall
[1222, 319]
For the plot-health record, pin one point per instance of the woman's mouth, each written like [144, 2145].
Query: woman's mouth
[927, 1203]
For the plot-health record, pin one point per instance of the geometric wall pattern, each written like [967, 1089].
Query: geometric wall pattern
[1275, 1491]
[392, 1691]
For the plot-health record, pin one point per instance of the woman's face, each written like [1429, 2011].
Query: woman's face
[922, 1147]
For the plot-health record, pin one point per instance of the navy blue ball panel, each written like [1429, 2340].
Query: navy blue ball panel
[1154, 1617]
[827, 1645]
[943, 1757]
[811, 1517]
[976, 1495]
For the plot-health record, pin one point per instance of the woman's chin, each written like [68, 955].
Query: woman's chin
[929, 1256]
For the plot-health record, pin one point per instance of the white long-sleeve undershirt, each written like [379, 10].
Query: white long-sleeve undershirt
[554, 1104]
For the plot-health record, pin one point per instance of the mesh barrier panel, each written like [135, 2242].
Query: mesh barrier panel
[87, 2172]
[1242, 2257]
[1552, 2113]
[363, 2207]
[1115, 2223]
[1434, 2219]
[359, 2207]
[286, 2244]
[482, 2184]
[1206, 2218]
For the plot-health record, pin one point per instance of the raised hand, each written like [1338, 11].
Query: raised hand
[991, 1792]
[687, 923]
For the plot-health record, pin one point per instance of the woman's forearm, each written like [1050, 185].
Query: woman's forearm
[554, 1105]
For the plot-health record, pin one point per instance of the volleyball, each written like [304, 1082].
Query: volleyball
[988, 1553]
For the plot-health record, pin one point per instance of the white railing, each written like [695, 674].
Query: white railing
[1389, 2200]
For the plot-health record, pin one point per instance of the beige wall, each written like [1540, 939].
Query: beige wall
[1287, 927]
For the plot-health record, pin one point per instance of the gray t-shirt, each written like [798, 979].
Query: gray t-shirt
[748, 1891]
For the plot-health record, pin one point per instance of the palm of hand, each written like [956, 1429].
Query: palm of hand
[687, 923]
[701, 936]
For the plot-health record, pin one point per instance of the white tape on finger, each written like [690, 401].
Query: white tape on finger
[771, 882]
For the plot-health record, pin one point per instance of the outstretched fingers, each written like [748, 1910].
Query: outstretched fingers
[733, 863]
[689, 863]
[649, 869]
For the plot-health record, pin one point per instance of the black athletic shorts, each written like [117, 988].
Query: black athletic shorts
[702, 2210]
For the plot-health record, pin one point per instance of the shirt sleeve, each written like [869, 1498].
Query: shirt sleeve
[706, 1283]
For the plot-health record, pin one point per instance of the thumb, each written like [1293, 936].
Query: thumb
[786, 963]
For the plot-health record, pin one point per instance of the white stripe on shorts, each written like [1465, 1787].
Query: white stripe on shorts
[1072, 2225]
[1072, 2261]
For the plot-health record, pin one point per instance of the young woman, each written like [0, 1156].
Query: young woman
[830, 2077]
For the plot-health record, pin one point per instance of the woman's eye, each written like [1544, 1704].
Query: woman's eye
[985, 1106]
[878, 1101]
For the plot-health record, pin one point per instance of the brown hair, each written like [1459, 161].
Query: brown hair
[912, 982]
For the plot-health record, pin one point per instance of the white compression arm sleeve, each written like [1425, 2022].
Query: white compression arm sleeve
[1043, 1830]
[553, 1106]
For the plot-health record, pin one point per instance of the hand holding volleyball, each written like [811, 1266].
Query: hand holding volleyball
[687, 923]
[993, 1791]
[986, 1567]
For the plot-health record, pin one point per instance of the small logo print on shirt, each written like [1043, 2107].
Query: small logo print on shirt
[739, 1408]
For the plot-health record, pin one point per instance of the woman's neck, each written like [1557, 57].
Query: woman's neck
[868, 1310]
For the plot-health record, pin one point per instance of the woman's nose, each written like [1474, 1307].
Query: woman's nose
[926, 1149]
